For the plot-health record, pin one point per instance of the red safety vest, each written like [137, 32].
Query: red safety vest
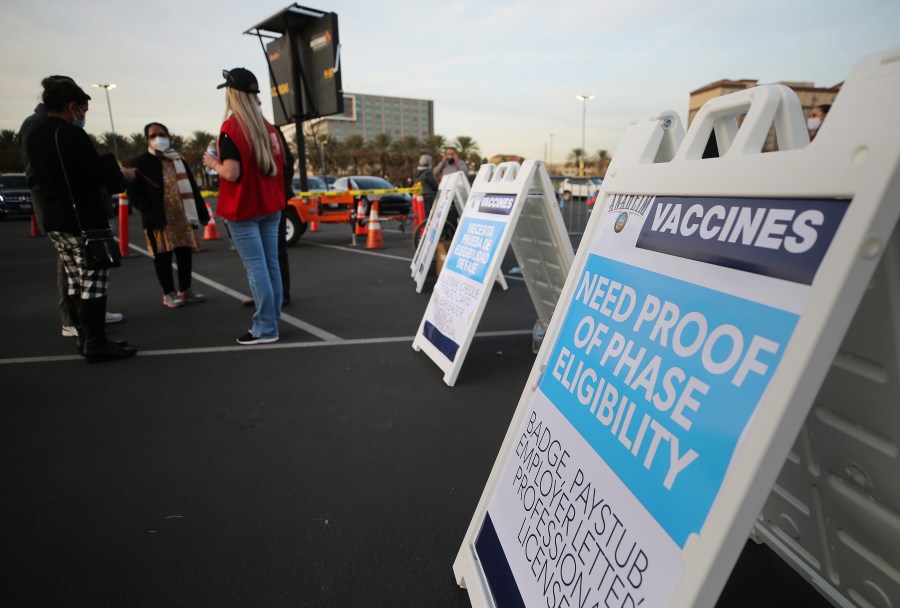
[253, 194]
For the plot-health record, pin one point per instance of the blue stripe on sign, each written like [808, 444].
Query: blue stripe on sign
[444, 344]
[496, 568]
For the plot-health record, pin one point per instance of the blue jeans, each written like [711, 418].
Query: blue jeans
[256, 241]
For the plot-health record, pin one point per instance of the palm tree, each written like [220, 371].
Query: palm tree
[10, 159]
[336, 156]
[177, 141]
[435, 144]
[407, 150]
[575, 158]
[195, 145]
[466, 146]
[112, 142]
[134, 145]
[602, 162]
[380, 145]
[355, 148]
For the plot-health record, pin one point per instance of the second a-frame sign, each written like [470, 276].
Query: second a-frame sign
[453, 193]
[508, 203]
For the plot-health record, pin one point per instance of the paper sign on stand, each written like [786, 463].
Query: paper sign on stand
[508, 203]
[705, 305]
[453, 191]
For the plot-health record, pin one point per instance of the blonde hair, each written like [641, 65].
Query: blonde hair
[245, 109]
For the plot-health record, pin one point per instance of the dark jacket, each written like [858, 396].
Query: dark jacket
[429, 183]
[148, 199]
[87, 172]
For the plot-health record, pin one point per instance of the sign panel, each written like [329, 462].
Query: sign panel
[305, 76]
[461, 285]
[699, 319]
[653, 376]
[453, 192]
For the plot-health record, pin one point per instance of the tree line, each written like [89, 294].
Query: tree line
[381, 155]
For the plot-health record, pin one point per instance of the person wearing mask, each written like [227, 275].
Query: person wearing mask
[816, 118]
[72, 176]
[68, 325]
[171, 208]
[251, 197]
[451, 163]
[426, 178]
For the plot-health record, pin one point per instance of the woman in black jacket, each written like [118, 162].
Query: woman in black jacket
[72, 176]
[171, 208]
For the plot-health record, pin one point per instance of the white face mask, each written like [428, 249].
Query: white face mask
[813, 123]
[160, 143]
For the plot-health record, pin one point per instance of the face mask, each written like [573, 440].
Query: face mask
[79, 122]
[160, 143]
[814, 123]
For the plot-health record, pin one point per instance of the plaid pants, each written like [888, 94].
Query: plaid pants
[80, 282]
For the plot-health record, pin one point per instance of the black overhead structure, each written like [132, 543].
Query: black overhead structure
[303, 55]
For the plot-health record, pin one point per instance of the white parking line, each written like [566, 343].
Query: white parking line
[289, 319]
[238, 348]
[365, 251]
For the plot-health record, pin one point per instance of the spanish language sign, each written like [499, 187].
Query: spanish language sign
[678, 321]
[460, 285]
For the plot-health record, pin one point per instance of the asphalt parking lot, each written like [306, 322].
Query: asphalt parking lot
[334, 468]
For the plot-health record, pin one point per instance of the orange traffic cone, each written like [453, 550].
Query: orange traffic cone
[209, 231]
[374, 240]
[313, 226]
[418, 209]
[35, 230]
[360, 228]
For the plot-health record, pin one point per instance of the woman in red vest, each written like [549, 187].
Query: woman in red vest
[251, 197]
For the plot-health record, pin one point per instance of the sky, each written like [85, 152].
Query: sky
[502, 72]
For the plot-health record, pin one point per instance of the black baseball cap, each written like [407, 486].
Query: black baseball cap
[240, 79]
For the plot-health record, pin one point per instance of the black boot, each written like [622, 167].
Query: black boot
[72, 303]
[72, 308]
[92, 314]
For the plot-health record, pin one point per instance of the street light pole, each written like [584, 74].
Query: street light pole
[583, 99]
[551, 148]
[107, 87]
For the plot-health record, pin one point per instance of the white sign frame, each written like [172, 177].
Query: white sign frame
[856, 156]
[541, 231]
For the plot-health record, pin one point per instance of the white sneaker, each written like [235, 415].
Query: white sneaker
[114, 317]
[69, 331]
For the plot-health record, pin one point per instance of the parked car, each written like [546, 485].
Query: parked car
[388, 204]
[581, 187]
[15, 196]
[315, 183]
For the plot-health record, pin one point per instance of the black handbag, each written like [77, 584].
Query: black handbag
[101, 250]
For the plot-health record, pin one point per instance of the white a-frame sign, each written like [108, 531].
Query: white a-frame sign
[507, 204]
[704, 308]
[453, 192]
